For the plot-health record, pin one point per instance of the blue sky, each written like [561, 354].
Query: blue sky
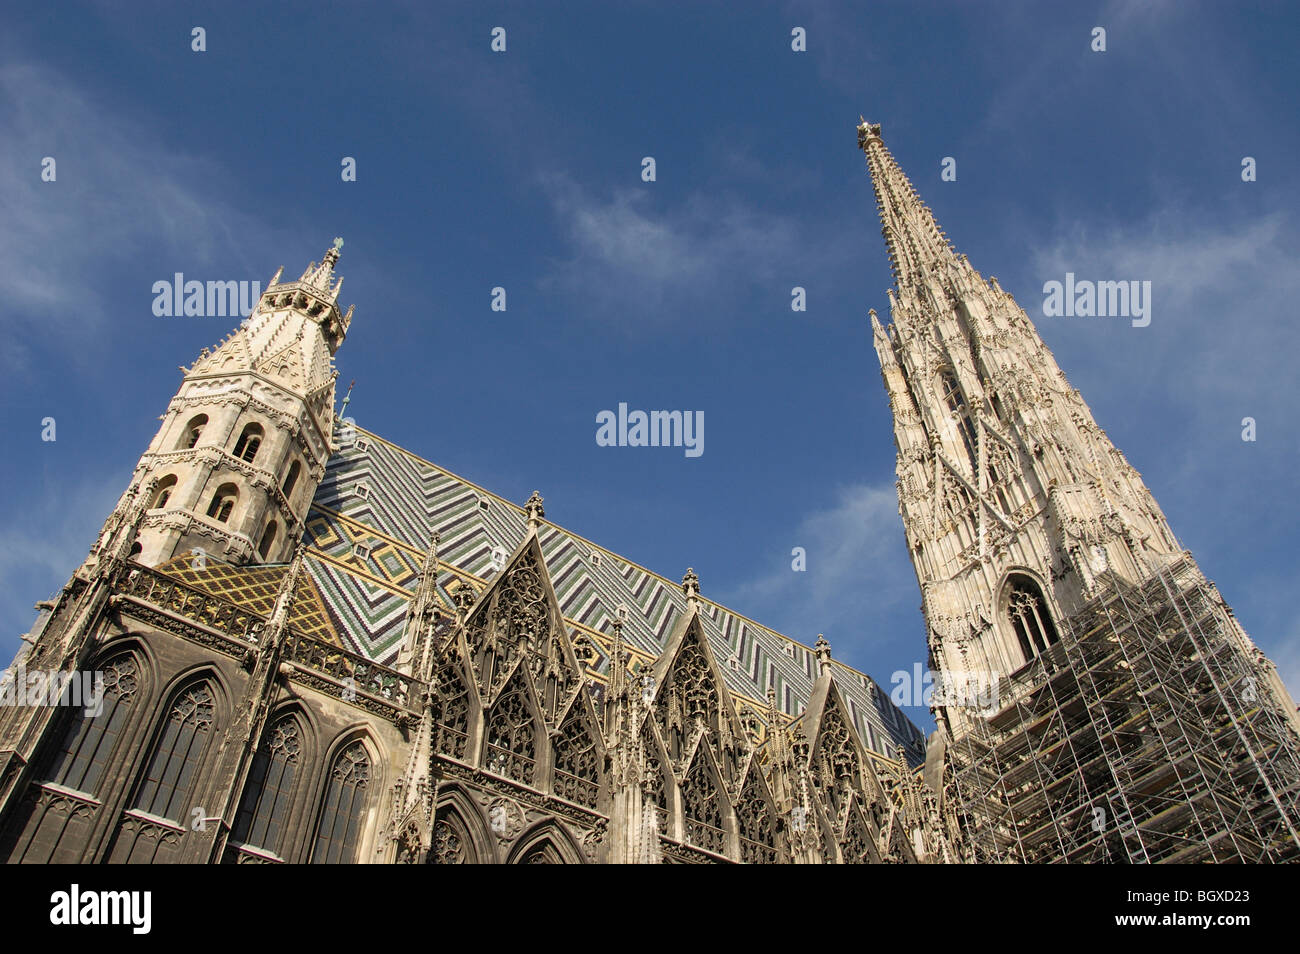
[522, 169]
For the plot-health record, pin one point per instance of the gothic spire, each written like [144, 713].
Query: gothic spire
[421, 615]
[321, 276]
[916, 243]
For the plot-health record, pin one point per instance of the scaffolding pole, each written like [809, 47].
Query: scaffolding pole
[1147, 734]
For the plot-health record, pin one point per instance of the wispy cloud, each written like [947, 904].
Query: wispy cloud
[1222, 324]
[651, 255]
[45, 541]
[121, 190]
[857, 568]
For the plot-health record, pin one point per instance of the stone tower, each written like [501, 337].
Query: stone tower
[1045, 565]
[1013, 499]
[243, 444]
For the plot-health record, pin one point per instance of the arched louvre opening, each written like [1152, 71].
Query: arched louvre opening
[1029, 617]
[342, 813]
[291, 480]
[193, 431]
[163, 492]
[268, 539]
[511, 748]
[268, 793]
[223, 502]
[167, 788]
[250, 439]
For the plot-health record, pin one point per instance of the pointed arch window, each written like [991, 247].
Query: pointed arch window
[452, 844]
[172, 774]
[577, 775]
[542, 854]
[193, 431]
[856, 845]
[1000, 470]
[757, 825]
[163, 492]
[956, 404]
[702, 806]
[451, 710]
[83, 755]
[268, 794]
[249, 441]
[1030, 618]
[291, 480]
[343, 812]
[268, 539]
[223, 502]
[512, 738]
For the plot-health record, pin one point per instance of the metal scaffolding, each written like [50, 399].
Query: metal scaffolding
[1149, 733]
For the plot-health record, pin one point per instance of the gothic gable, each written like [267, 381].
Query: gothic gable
[691, 708]
[516, 624]
[837, 761]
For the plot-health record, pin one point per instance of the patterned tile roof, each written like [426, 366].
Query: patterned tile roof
[370, 525]
[254, 588]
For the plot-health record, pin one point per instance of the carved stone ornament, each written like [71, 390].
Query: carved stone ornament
[506, 818]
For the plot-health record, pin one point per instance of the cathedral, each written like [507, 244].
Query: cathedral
[310, 645]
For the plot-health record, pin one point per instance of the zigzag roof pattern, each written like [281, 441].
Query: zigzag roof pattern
[255, 588]
[369, 527]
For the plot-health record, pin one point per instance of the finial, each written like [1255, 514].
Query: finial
[347, 397]
[617, 660]
[775, 732]
[320, 276]
[822, 650]
[533, 511]
[463, 599]
[288, 590]
[431, 554]
[867, 132]
[691, 587]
